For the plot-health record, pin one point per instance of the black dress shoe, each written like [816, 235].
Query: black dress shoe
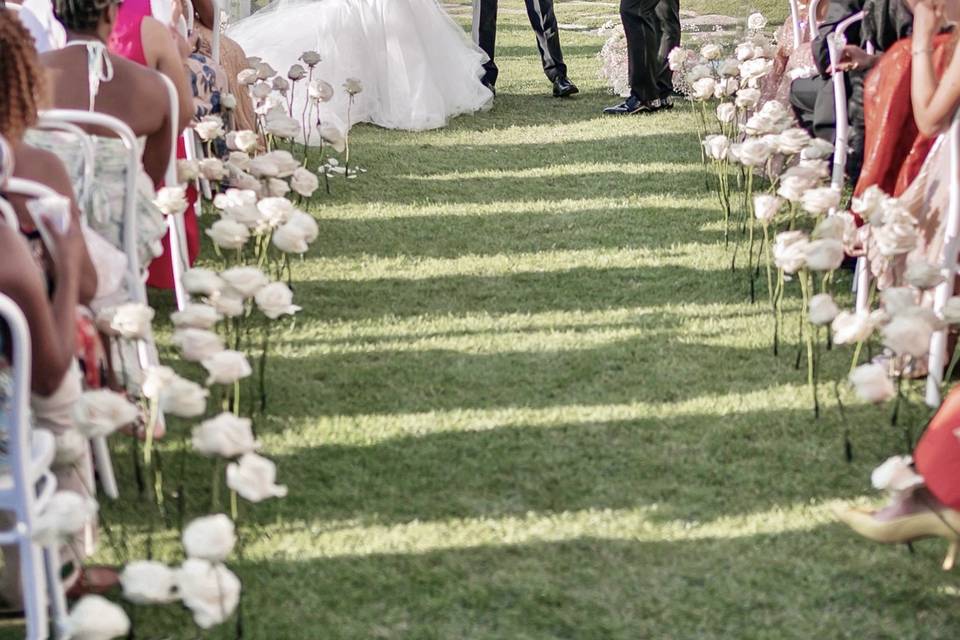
[629, 107]
[563, 88]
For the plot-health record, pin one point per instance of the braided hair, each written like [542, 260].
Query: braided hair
[21, 77]
[81, 16]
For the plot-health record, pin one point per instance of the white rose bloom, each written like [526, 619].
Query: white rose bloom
[296, 72]
[824, 255]
[228, 234]
[187, 170]
[196, 316]
[896, 475]
[228, 302]
[851, 328]
[228, 101]
[238, 162]
[923, 275]
[213, 169]
[896, 239]
[703, 88]
[759, 124]
[246, 141]
[311, 58]
[197, 345]
[156, 380]
[281, 85]
[711, 52]
[247, 215]
[907, 336]
[247, 77]
[725, 88]
[101, 412]
[752, 71]
[261, 90]
[226, 436]
[792, 141]
[756, 22]
[172, 201]
[283, 127]
[290, 239]
[817, 168]
[210, 538]
[276, 211]
[790, 251]
[276, 300]
[96, 618]
[823, 309]
[307, 225]
[744, 51]
[202, 282]
[71, 446]
[286, 163]
[334, 136]
[726, 112]
[227, 367]
[320, 91]
[265, 71]
[353, 86]
[831, 228]
[277, 188]
[747, 98]
[64, 515]
[897, 300]
[951, 310]
[677, 58]
[263, 167]
[210, 128]
[872, 383]
[820, 200]
[253, 477]
[699, 72]
[211, 592]
[792, 188]
[245, 281]
[754, 152]
[766, 207]
[132, 320]
[147, 582]
[304, 182]
[817, 149]
[717, 147]
[729, 68]
[246, 181]
[869, 202]
[184, 398]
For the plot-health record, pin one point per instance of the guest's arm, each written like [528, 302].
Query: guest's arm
[163, 55]
[934, 103]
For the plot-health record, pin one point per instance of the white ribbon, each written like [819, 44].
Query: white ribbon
[99, 66]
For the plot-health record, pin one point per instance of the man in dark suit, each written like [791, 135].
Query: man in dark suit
[652, 28]
[544, 23]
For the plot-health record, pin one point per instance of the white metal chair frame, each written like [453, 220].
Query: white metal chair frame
[951, 247]
[175, 224]
[30, 451]
[795, 18]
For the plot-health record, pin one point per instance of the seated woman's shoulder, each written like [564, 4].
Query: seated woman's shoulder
[44, 167]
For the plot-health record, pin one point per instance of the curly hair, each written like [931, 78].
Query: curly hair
[21, 77]
[81, 15]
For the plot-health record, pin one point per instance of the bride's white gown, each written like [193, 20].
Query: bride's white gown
[417, 65]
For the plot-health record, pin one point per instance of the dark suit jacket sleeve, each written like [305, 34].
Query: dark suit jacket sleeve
[837, 12]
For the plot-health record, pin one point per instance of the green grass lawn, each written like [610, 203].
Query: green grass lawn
[528, 400]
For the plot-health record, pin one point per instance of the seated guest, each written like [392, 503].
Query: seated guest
[885, 22]
[790, 62]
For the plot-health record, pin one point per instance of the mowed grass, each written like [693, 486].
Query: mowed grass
[527, 400]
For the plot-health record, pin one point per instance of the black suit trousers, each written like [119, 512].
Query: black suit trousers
[642, 28]
[544, 23]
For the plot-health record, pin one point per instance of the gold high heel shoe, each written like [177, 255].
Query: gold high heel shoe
[927, 524]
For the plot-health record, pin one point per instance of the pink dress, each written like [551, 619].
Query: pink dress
[126, 41]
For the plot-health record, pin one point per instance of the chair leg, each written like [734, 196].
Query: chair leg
[104, 464]
[58, 600]
[34, 594]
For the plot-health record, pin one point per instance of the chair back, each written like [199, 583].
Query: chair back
[795, 19]
[33, 190]
[18, 405]
[175, 224]
[835, 43]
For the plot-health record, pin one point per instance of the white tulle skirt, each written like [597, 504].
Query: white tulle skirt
[417, 66]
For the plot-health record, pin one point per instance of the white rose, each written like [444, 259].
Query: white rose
[290, 239]
[156, 380]
[283, 126]
[951, 310]
[677, 58]
[872, 383]
[760, 124]
[246, 181]
[261, 90]
[277, 188]
[228, 302]
[187, 170]
[790, 251]
[286, 163]
[71, 446]
[717, 147]
[334, 136]
[304, 182]
[703, 88]
[281, 85]
[726, 88]
[896, 475]
[253, 477]
[747, 98]
[276, 300]
[792, 188]
[213, 169]
[711, 51]
[263, 167]
[823, 309]
[210, 128]
[766, 207]
[792, 141]
[835, 227]
[210, 538]
[228, 101]
[756, 22]
[245, 141]
[227, 367]
[211, 592]
[752, 71]
[817, 149]
[851, 328]
[311, 58]
[729, 68]
[64, 515]
[824, 255]
[226, 435]
[184, 398]
[754, 152]
[896, 300]
[147, 582]
[896, 239]
[96, 618]
[247, 77]
[265, 71]
[816, 168]
[202, 282]
[907, 336]
[726, 112]
[245, 281]
[923, 275]
[228, 234]
[238, 162]
[699, 72]
[276, 211]
[101, 412]
[247, 215]
[353, 86]
[820, 200]
[172, 201]
[197, 345]
[320, 91]
[744, 51]
[132, 320]
[307, 225]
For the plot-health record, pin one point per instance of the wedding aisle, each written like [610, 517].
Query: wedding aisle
[527, 399]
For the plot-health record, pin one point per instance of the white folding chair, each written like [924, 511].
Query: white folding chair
[951, 247]
[812, 11]
[175, 224]
[87, 148]
[9, 215]
[27, 487]
[795, 18]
